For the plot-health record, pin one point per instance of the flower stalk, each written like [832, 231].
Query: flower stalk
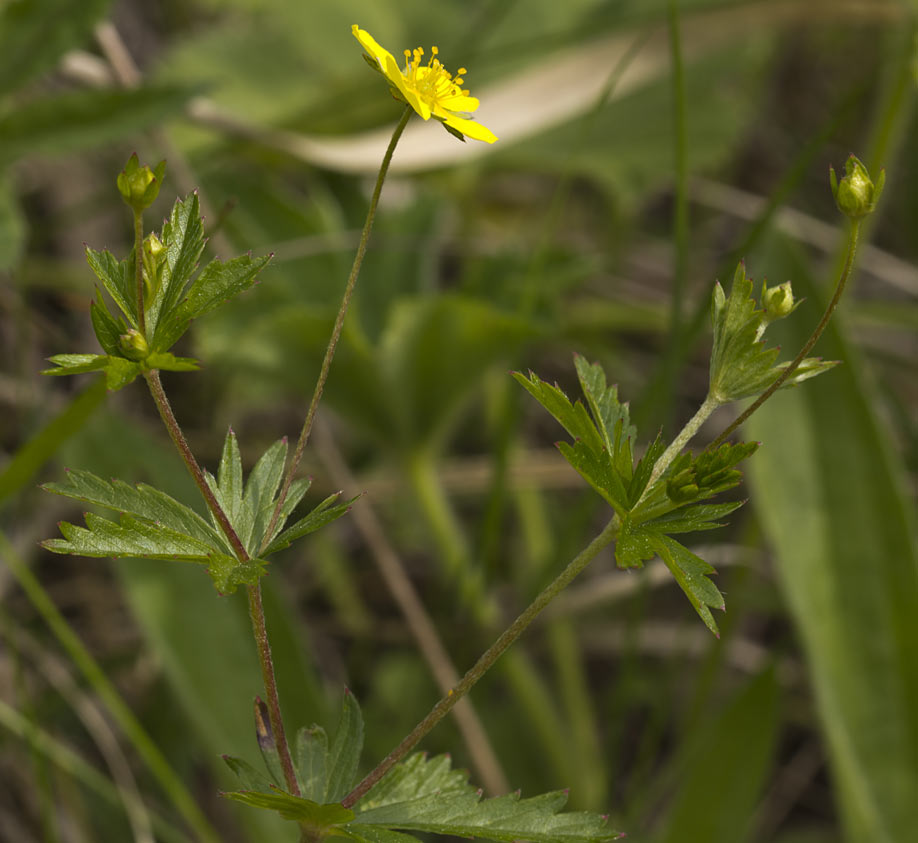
[339, 324]
[486, 661]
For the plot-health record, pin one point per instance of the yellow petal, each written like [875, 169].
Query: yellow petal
[397, 78]
[368, 42]
[459, 103]
[469, 128]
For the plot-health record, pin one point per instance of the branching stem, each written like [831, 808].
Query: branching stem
[486, 661]
[253, 592]
[339, 324]
[808, 345]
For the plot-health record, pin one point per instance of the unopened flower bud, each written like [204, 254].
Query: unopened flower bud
[139, 185]
[855, 194]
[682, 488]
[778, 302]
[134, 345]
[154, 258]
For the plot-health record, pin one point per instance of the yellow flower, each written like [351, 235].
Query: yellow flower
[430, 89]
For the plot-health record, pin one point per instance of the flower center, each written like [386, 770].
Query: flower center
[432, 80]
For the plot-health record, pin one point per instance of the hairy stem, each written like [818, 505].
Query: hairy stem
[682, 439]
[339, 324]
[486, 661]
[181, 444]
[808, 345]
[256, 607]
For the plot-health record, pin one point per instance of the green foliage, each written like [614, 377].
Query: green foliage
[741, 364]
[174, 298]
[418, 794]
[62, 123]
[602, 452]
[602, 448]
[154, 525]
[35, 33]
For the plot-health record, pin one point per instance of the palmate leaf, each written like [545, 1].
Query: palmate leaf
[427, 796]
[741, 364]
[141, 501]
[588, 453]
[183, 241]
[129, 537]
[119, 372]
[249, 504]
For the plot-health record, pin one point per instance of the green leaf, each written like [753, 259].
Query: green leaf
[634, 544]
[85, 118]
[75, 364]
[610, 415]
[227, 487]
[323, 514]
[169, 362]
[691, 572]
[741, 365]
[573, 417]
[249, 777]
[107, 329]
[596, 468]
[260, 489]
[429, 797]
[129, 537]
[34, 34]
[183, 239]
[118, 279]
[216, 284]
[228, 573]
[312, 762]
[309, 814]
[119, 372]
[141, 501]
[344, 754]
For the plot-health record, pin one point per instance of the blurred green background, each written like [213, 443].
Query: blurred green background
[799, 725]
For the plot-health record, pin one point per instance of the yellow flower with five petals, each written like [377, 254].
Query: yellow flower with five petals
[429, 88]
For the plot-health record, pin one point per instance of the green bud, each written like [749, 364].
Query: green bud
[134, 345]
[154, 259]
[855, 194]
[778, 302]
[139, 185]
[682, 488]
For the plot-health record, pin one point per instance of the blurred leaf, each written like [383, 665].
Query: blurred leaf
[832, 499]
[729, 757]
[34, 34]
[81, 119]
[433, 352]
[12, 227]
[29, 458]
